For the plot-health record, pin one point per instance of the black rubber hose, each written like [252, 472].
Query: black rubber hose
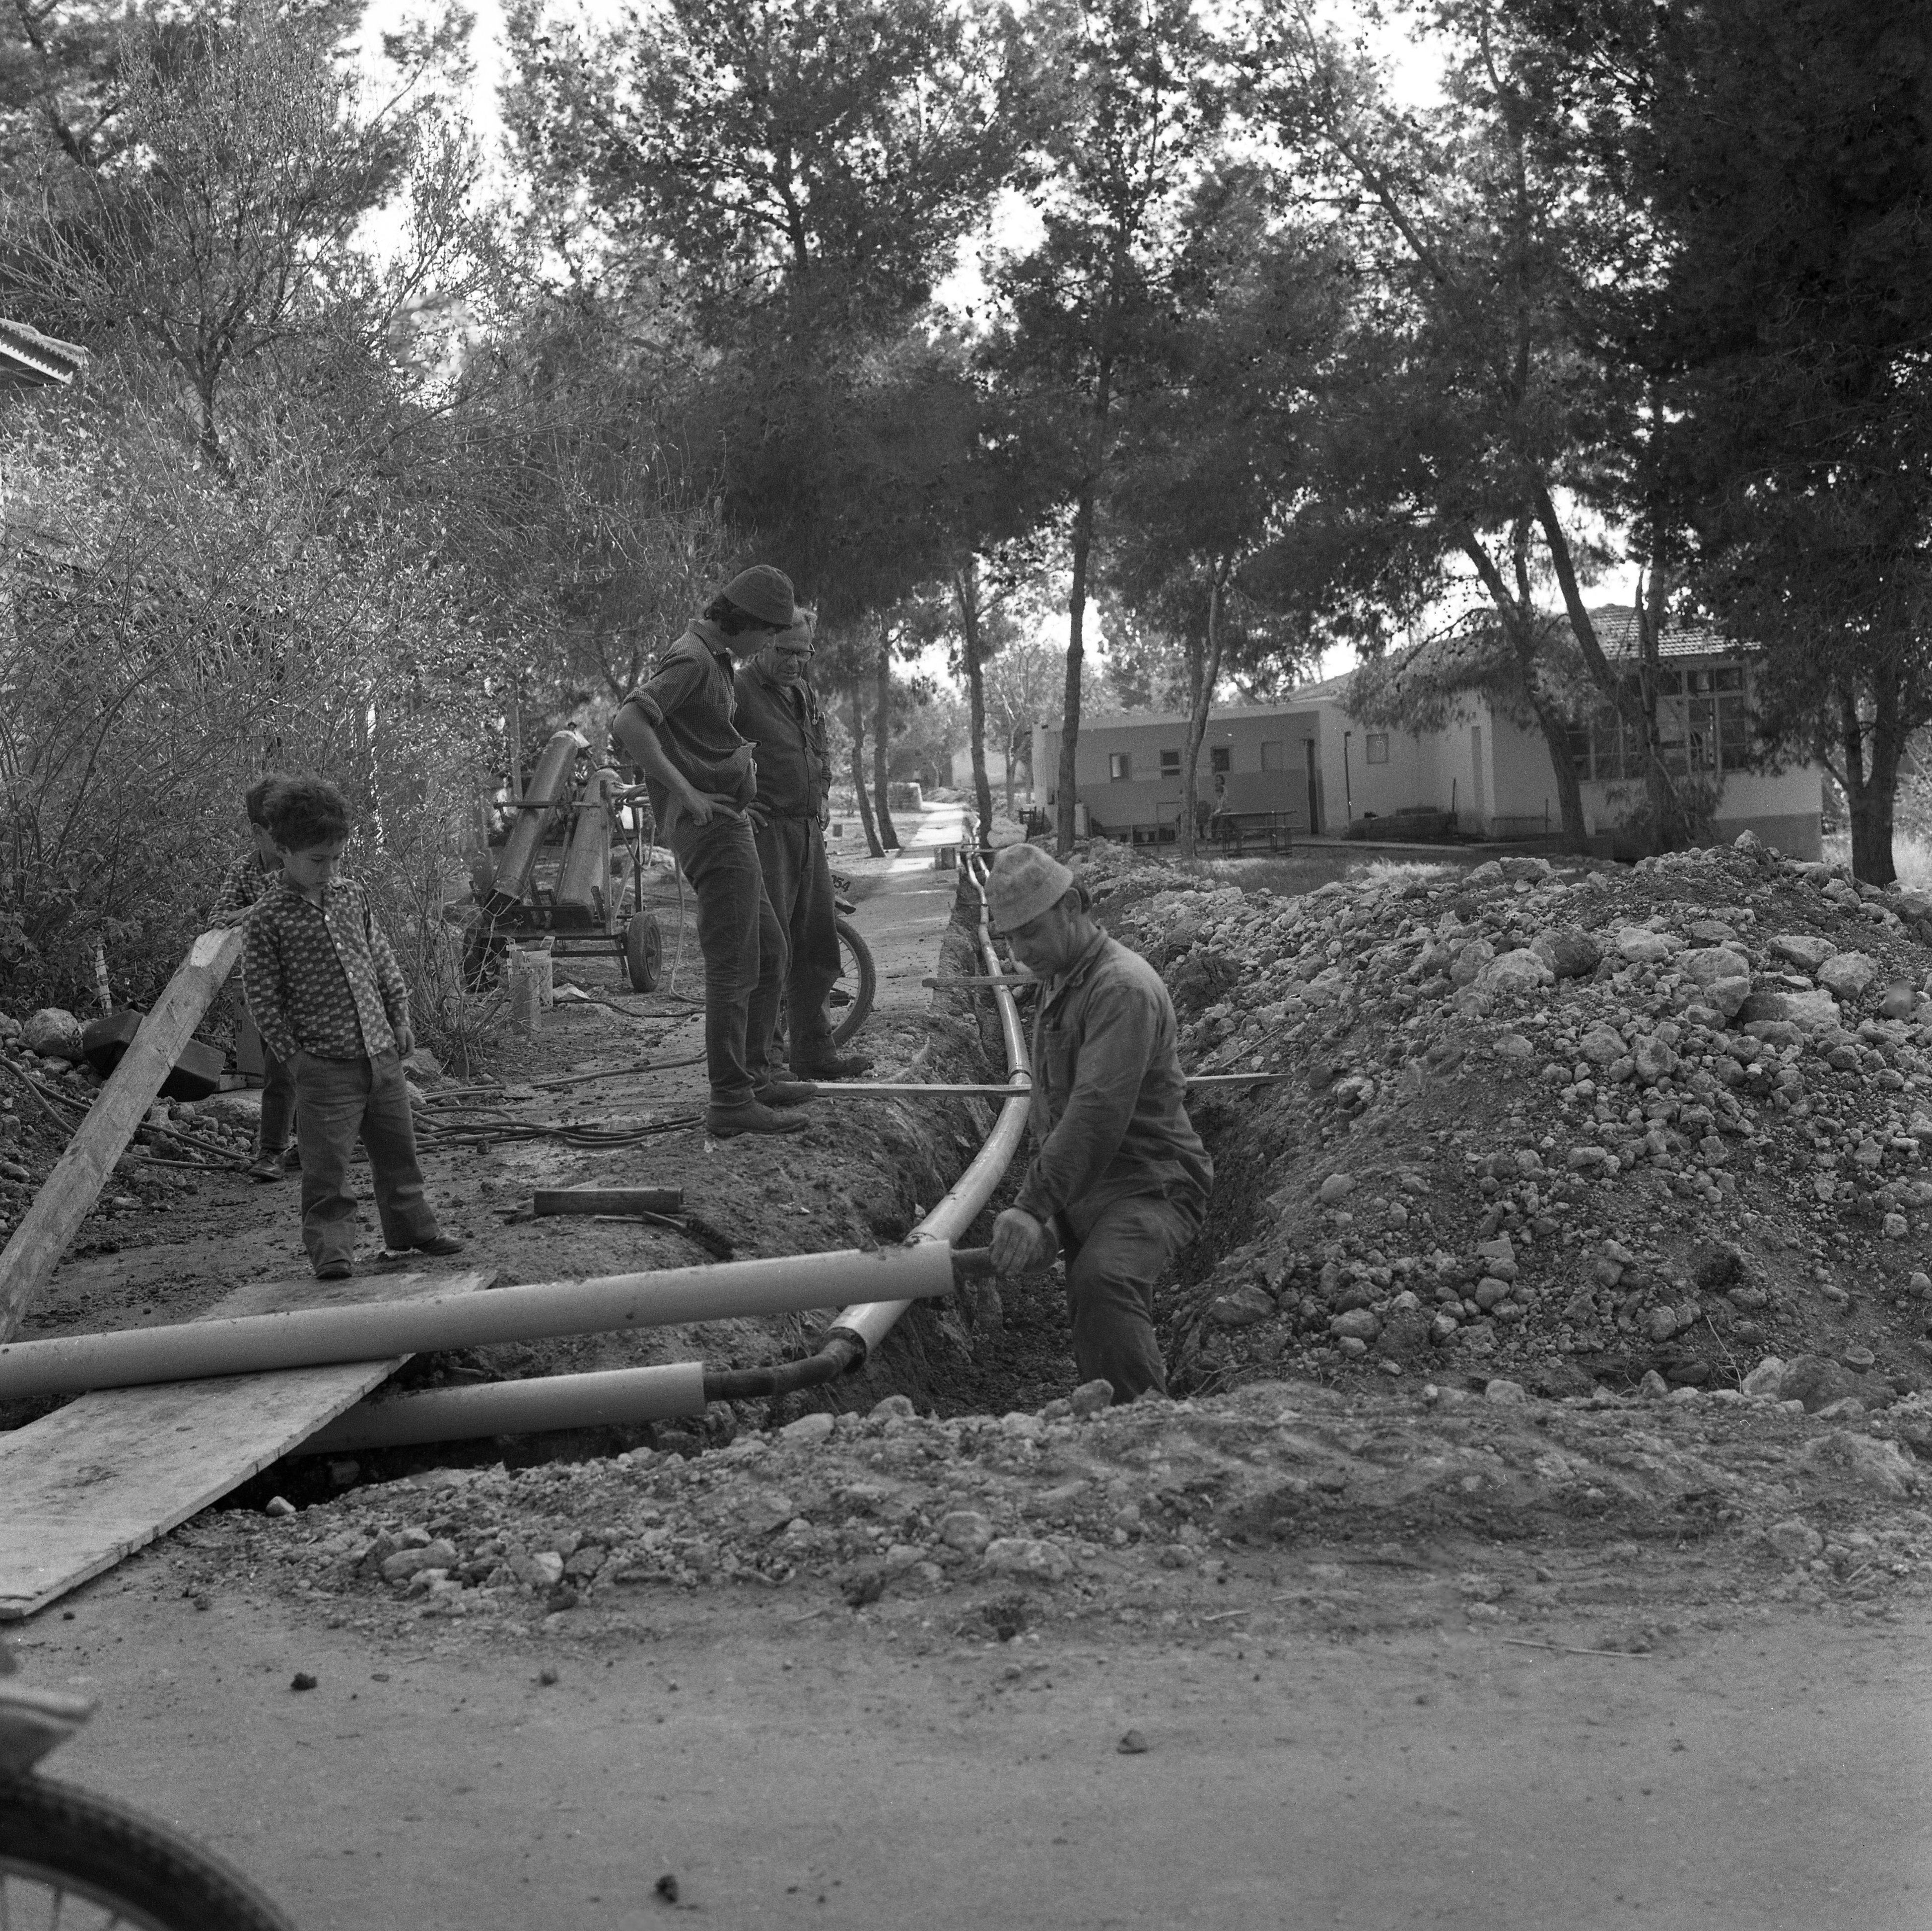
[839, 1353]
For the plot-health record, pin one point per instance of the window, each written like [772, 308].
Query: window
[1221, 757]
[1374, 747]
[1170, 764]
[1119, 765]
[1703, 727]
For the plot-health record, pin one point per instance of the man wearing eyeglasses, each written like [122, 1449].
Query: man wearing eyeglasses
[778, 711]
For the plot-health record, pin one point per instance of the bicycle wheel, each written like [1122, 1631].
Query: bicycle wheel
[858, 983]
[86, 1863]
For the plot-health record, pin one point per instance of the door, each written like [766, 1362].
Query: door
[1314, 787]
[1479, 796]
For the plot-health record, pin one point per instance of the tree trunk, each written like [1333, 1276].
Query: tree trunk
[1012, 758]
[1870, 781]
[872, 844]
[1076, 613]
[882, 743]
[1203, 673]
[1638, 708]
[966, 590]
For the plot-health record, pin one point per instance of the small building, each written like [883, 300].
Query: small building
[1322, 772]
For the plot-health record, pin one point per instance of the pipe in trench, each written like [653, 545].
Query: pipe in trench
[311, 1336]
[639, 1395]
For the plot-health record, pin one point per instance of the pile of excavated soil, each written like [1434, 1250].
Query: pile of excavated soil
[1286, 1505]
[1657, 1127]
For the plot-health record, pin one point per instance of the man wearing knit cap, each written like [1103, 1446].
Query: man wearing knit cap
[1119, 1183]
[678, 726]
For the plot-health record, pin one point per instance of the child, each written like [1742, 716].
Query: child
[328, 995]
[242, 884]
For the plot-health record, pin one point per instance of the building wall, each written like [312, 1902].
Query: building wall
[1497, 776]
[1146, 797]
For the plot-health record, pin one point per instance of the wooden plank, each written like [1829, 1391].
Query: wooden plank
[89, 1484]
[54, 1219]
[608, 1200]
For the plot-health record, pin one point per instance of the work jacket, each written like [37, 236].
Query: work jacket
[689, 699]
[1108, 1107]
[785, 723]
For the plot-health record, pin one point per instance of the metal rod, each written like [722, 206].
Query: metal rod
[308, 1337]
[877, 1089]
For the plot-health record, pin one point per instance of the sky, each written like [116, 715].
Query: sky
[1412, 70]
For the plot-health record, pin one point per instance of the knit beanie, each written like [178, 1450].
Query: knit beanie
[763, 593]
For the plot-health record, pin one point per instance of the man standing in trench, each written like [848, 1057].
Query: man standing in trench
[697, 767]
[1119, 1181]
[777, 711]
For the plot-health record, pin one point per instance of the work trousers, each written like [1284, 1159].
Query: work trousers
[338, 1101]
[278, 1085]
[744, 951]
[798, 881]
[1113, 1257]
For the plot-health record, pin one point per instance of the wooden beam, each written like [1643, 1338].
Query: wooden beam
[52, 1219]
[90, 1484]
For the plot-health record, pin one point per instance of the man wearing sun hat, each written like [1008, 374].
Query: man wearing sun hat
[697, 765]
[1119, 1182]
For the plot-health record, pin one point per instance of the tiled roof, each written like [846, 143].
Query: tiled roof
[1616, 630]
[30, 360]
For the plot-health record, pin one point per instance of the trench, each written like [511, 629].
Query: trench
[983, 1349]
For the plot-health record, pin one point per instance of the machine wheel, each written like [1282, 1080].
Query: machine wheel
[644, 951]
[858, 982]
[70, 1858]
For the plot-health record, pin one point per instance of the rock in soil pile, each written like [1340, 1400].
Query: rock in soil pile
[1666, 1126]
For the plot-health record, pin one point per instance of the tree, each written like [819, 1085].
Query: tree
[822, 156]
[1086, 314]
[1783, 148]
[1024, 683]
[228, 229]
[1216, 463]
[1497, 398]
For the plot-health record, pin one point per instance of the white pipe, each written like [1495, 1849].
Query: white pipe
[308, 1337]
[619, 1396]
[871, 1321]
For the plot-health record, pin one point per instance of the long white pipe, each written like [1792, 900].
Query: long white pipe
[871, 1321]
[308, 1337]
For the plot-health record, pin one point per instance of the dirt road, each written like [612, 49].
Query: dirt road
[821, 1772]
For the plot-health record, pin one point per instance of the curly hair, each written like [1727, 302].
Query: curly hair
[255, 798]
[306, 811]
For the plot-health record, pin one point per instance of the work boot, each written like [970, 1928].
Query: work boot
[834, 1066]
[749, 1116]
[335, 1270]
[775, 1092]
[267, 1166]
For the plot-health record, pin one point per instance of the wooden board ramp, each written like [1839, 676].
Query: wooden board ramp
[84, 1487]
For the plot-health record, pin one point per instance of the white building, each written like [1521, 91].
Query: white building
[1309, 760]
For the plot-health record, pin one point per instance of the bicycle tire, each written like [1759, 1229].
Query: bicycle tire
[860, 998]
[72, 1844]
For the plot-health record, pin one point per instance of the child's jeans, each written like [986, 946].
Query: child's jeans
[337, 1101]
